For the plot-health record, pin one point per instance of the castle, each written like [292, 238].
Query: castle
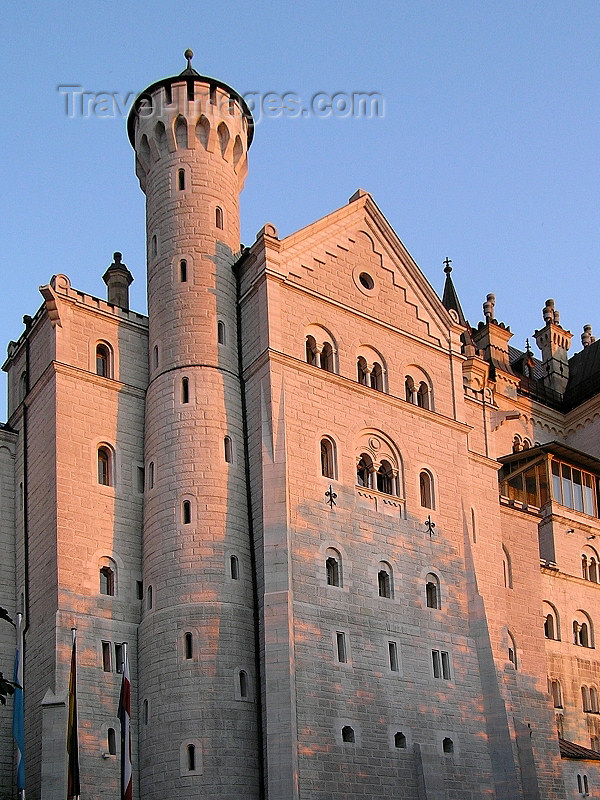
[350, 541]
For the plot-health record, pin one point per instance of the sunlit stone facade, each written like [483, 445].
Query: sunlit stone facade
[348, 539]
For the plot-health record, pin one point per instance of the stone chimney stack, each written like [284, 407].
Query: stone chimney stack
[586, 337]
[554, 342]
[118, 278]
[492, 337]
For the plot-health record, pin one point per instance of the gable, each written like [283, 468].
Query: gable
[354, 259]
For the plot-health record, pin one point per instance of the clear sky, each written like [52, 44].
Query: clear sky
[487, 151]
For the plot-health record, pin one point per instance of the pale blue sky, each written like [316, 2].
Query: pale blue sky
[487, 153]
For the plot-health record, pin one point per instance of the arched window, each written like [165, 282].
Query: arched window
[103, 365]
[243, 679]
[191, 757]
[589, 564]
[155, 351]
[377, 377]
[585, 698]
[104, 466]
[219, 218]
[386, 481]
[326, 358]
[556, 693]
[593, 700]
[333, 567]
[111, 741]
[234, 568]
[448, 745]
[423, 395]
[154, 246]
[183, 271]
[185, 390]
[228, 449]
[409, 390]
[426, 489]
[186, 512]
[385, 583]
[400, 740]
[181, 179]
[582, 630]
[107, 581]
[181, 135]
[149, 598]
[151, 475]
[311, 351]
[238, 151]
[432, 591]
[188, 646]
[347, 734]
[145, 712]
[203, 131]
[363, 371]
[517, 444]
[221, 332]
[551, 625]
[595, 743]
[364, 470]
[224, 137]
[327, 458]
[506, 568]
[145, 150]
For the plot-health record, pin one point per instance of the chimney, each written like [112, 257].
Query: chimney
[554, 342]
[117, 278]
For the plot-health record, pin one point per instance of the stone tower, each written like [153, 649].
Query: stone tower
[197, 637]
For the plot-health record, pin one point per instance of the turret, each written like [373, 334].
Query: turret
[196, 643]
[554, 342]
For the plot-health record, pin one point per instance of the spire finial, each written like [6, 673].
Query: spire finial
[447, 268]
[189, 54]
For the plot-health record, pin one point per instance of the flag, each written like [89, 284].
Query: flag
[73, 788]
[18, 725]
[124, 714]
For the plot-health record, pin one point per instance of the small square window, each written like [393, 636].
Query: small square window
[342, 655]
[119, 657]
[107, 656]
[441, 664]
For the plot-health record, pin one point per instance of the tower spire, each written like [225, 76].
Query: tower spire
[450, 299]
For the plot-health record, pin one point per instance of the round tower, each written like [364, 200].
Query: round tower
[198, 710]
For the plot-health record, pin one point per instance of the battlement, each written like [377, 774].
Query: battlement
[186, 112]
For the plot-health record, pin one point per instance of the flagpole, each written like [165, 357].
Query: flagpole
[18, 726]
[124, 714]
[73, 787]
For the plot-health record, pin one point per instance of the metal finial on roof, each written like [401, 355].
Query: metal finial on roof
[189, 54]
[448, 268]
[528, 347]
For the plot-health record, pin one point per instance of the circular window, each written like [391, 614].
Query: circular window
[366, 280]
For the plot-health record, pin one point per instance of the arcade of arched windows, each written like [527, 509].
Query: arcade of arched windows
[320, 350]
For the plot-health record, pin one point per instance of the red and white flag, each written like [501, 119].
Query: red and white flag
[124, 715]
